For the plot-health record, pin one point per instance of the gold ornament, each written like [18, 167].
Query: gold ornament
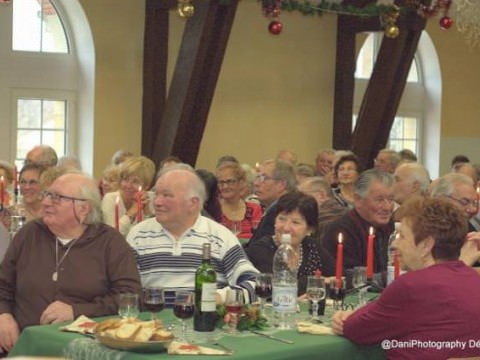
[392, 31]
[185, 9]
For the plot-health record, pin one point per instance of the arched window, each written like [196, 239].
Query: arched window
[39, 76]
[418, 112]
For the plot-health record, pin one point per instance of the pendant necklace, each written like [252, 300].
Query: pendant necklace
[57, 262]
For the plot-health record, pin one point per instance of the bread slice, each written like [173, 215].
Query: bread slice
[108, 324]
[161, 335]
[144, 334]
[127, 331]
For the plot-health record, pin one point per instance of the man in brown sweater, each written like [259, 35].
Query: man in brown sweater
[66, 264]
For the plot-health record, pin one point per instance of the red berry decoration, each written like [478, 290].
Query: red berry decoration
[275, 27]
[446, 22]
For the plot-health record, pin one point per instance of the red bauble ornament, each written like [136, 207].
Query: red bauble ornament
[446, 22]
[275, 27]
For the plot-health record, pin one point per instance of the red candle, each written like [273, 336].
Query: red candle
[117, 216]
[339, 268]
[396, 265]
[15, 178]
[371, 238]
[2, 189]
[139, 204]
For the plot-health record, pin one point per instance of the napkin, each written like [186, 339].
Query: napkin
[178, 348]
[82, 325]
[316, 329]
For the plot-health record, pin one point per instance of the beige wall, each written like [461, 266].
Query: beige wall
[273, 92]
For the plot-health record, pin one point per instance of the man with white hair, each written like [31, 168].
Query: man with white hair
[410, 179]
[387, 160]
[169, 246]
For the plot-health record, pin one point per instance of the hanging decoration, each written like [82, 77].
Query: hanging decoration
[185, 9]
[271, 10]
[389, 21]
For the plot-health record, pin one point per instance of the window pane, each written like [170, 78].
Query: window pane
[55, 139]
[365, 59]
[53, 114]
[25, 141]
[37, 27]
[41, 121]
[53, 35]
[29, 113]
[27, 25]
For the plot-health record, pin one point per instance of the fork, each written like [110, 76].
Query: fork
[227, 349]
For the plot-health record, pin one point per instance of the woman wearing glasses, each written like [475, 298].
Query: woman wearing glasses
[136, 176]
[31, 191]
[240, 216]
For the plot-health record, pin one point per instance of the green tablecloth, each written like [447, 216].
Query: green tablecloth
[48, 340]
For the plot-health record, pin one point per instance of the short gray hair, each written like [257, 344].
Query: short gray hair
[197, 186]
[444, 186]
[366, 178]
[284, 171]
[317, 183]
[89, 191]
[417, 172]
[394, 157]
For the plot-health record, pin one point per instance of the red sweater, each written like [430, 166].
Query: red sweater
[422, 309]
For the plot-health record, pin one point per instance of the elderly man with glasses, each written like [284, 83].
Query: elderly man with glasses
[274, 179]
[66, 264]
[460, 190]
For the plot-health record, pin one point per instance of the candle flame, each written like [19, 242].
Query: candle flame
[478, 189]
[371, 231]
[117, 200]
[340, 238]
[140, 188]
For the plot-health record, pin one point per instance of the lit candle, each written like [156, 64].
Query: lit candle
[2, 189]
[396, 265]
[339, 268]
[139, 204]
[371, 238]
[117, 216]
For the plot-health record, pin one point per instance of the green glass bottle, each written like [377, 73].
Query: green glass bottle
[205, 294]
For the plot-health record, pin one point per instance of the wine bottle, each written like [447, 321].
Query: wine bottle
[205, 293]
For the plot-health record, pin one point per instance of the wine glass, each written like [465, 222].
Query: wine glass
[337, 292]
[183, 308]
[234, 305]
[359, 280]
[153, 300]
[316, 292]
[263, 288]
[128, 305]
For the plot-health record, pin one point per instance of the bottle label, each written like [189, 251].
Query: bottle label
[284, 298]
[209, 291]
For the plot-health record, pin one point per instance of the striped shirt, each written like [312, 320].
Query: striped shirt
[164, 261]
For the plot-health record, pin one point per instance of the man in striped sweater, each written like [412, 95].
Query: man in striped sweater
[169, 246]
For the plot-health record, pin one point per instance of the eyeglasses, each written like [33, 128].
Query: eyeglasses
[262, 178]
[465, 202]
[132, 181]
[29, 182]
[56, 198]
[227, 182]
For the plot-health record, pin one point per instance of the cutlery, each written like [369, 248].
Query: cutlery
[227, 349]
[271, 337]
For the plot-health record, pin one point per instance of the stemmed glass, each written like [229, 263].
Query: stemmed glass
[359, 282]
[153, 300]
[183, 308]
[316, 292]
[337, 293]
[234, 304]
[263, 288]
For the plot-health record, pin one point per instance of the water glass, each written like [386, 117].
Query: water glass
[359, 282]
[316, 292]
[128, 305]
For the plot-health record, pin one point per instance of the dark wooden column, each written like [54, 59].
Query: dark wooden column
[155, 55]
[383, 94]
[193, 84]
[385, 88]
